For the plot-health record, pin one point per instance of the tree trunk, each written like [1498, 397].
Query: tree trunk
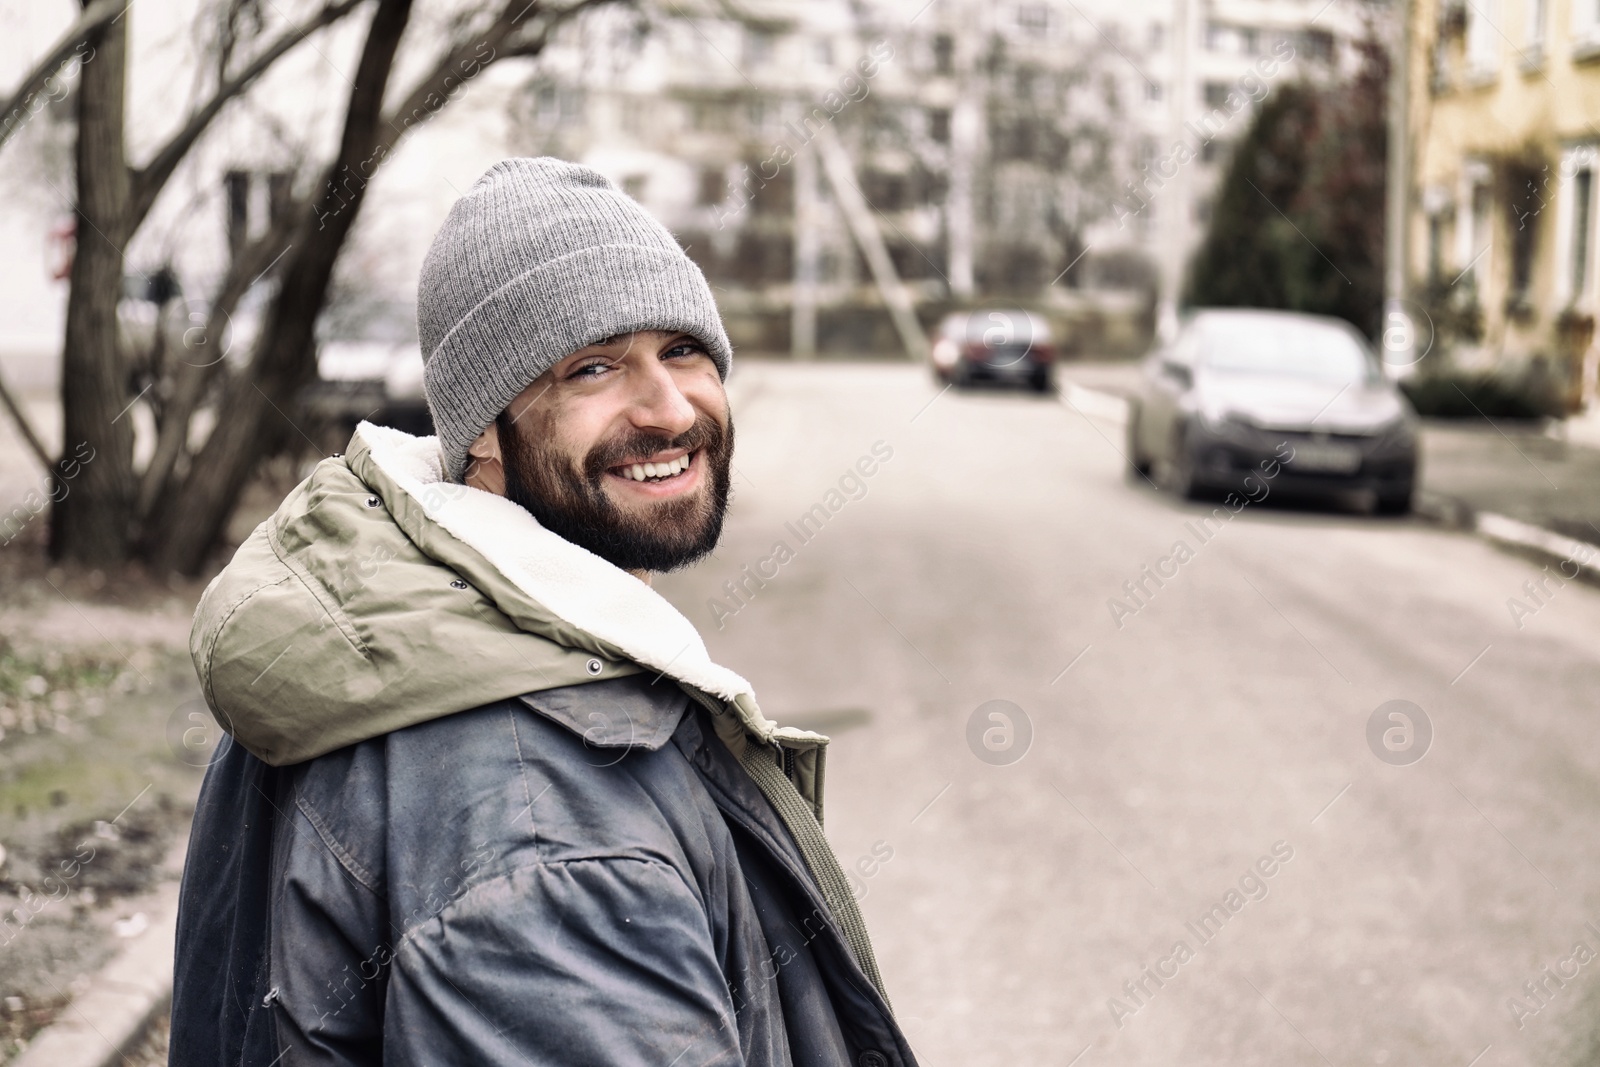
[91, 522]
[257, 405]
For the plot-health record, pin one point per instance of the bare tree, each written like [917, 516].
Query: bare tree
[98, 521]
[171, 513]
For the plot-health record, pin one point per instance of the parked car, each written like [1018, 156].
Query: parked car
[1241, 389]
[1000, 345]
[376, 381]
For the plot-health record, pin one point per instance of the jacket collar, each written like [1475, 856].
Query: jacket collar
[543, 582]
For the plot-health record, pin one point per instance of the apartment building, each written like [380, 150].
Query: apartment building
[1504, 99]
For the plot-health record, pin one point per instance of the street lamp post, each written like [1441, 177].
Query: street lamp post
[1399, 329]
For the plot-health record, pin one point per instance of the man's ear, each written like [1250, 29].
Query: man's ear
[484, 467]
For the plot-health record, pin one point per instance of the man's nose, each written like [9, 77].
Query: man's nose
[659, 404]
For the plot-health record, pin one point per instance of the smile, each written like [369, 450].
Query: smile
[659, 472]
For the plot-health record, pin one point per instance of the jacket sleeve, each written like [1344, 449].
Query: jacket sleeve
[605, 962]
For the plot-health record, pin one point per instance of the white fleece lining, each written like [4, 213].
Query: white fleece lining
[572, 582]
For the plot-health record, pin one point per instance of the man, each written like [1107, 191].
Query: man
[485, 798]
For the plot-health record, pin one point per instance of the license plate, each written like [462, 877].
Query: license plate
[1335, 459]
[1008, 358]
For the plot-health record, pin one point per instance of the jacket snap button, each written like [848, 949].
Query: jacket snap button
[336, 455]
[272, 995]
[373, 501]
[594, 666]
[873, 1058]
[458, 584]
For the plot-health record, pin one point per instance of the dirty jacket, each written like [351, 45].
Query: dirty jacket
[486, 799]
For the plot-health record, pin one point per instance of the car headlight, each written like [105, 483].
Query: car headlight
[1225, 423]
[1398, 431]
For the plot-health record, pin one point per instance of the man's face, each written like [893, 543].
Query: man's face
[575, 443]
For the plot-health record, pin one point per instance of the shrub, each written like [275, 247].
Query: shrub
[1453, 394]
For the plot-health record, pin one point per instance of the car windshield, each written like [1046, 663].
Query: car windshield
[1005, 327]
[1282, 348]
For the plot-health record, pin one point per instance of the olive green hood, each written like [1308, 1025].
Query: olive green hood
[381, 595]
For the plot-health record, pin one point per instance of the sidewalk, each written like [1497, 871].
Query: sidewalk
[1525, 472]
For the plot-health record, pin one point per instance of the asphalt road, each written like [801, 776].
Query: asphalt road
[1174, 748]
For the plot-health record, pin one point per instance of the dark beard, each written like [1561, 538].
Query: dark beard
[573, 504]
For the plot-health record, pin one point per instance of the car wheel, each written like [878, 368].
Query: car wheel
[1042, 382]
[1138, 462]
[1180, 470]
[1395, 503]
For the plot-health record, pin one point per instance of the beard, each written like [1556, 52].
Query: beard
[569, 499]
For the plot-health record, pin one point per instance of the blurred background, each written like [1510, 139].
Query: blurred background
[1210, 648]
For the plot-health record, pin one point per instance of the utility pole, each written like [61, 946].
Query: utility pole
[1174, 205]
[965, 123]
[1399, 330]
[966, 144]
[807, 241]
[858, 214]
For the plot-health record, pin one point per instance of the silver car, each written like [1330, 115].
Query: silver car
[1243, 397]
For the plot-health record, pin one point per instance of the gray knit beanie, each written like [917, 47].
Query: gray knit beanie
[539, 259]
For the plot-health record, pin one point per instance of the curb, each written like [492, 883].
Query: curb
[1094, 403]
[100, 1026]
[1526, 538]
[1500, 530]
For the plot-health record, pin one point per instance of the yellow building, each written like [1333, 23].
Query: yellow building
[1505, 124]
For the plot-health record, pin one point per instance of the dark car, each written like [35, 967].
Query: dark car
[1239, 392]
[1002, 345]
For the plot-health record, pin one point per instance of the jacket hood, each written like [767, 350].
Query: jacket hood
[380, 595]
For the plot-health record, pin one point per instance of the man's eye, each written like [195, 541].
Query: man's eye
[688, 348]
[583, 371]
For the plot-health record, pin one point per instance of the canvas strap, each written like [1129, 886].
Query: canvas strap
[761, 762]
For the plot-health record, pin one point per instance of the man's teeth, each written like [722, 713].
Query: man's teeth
[640, 471]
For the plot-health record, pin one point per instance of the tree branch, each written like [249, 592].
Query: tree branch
[466, 60]
[93, 19]
[152, 178]
[25, 428]
[192, 375]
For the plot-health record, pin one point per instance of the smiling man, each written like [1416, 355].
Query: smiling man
[625, 447]
[485, 798]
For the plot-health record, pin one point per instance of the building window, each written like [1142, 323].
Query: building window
[713, 186]
[1474, 235]
[1250, 41]
[635, 115]
[1483, 39]
[710, 116]
[1586, 22]
[1158, 37]
[236, 183]
[944, 52]
[939, 124]
[1524, 211]
[1208, 152]
[1216, 37]
[1216, 94]
[1537, 12]
[559, 106]
[758, 45]
[1582, 201]
[1435, 248]
[1318, 44]
[757, 115]
[1033, 18]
